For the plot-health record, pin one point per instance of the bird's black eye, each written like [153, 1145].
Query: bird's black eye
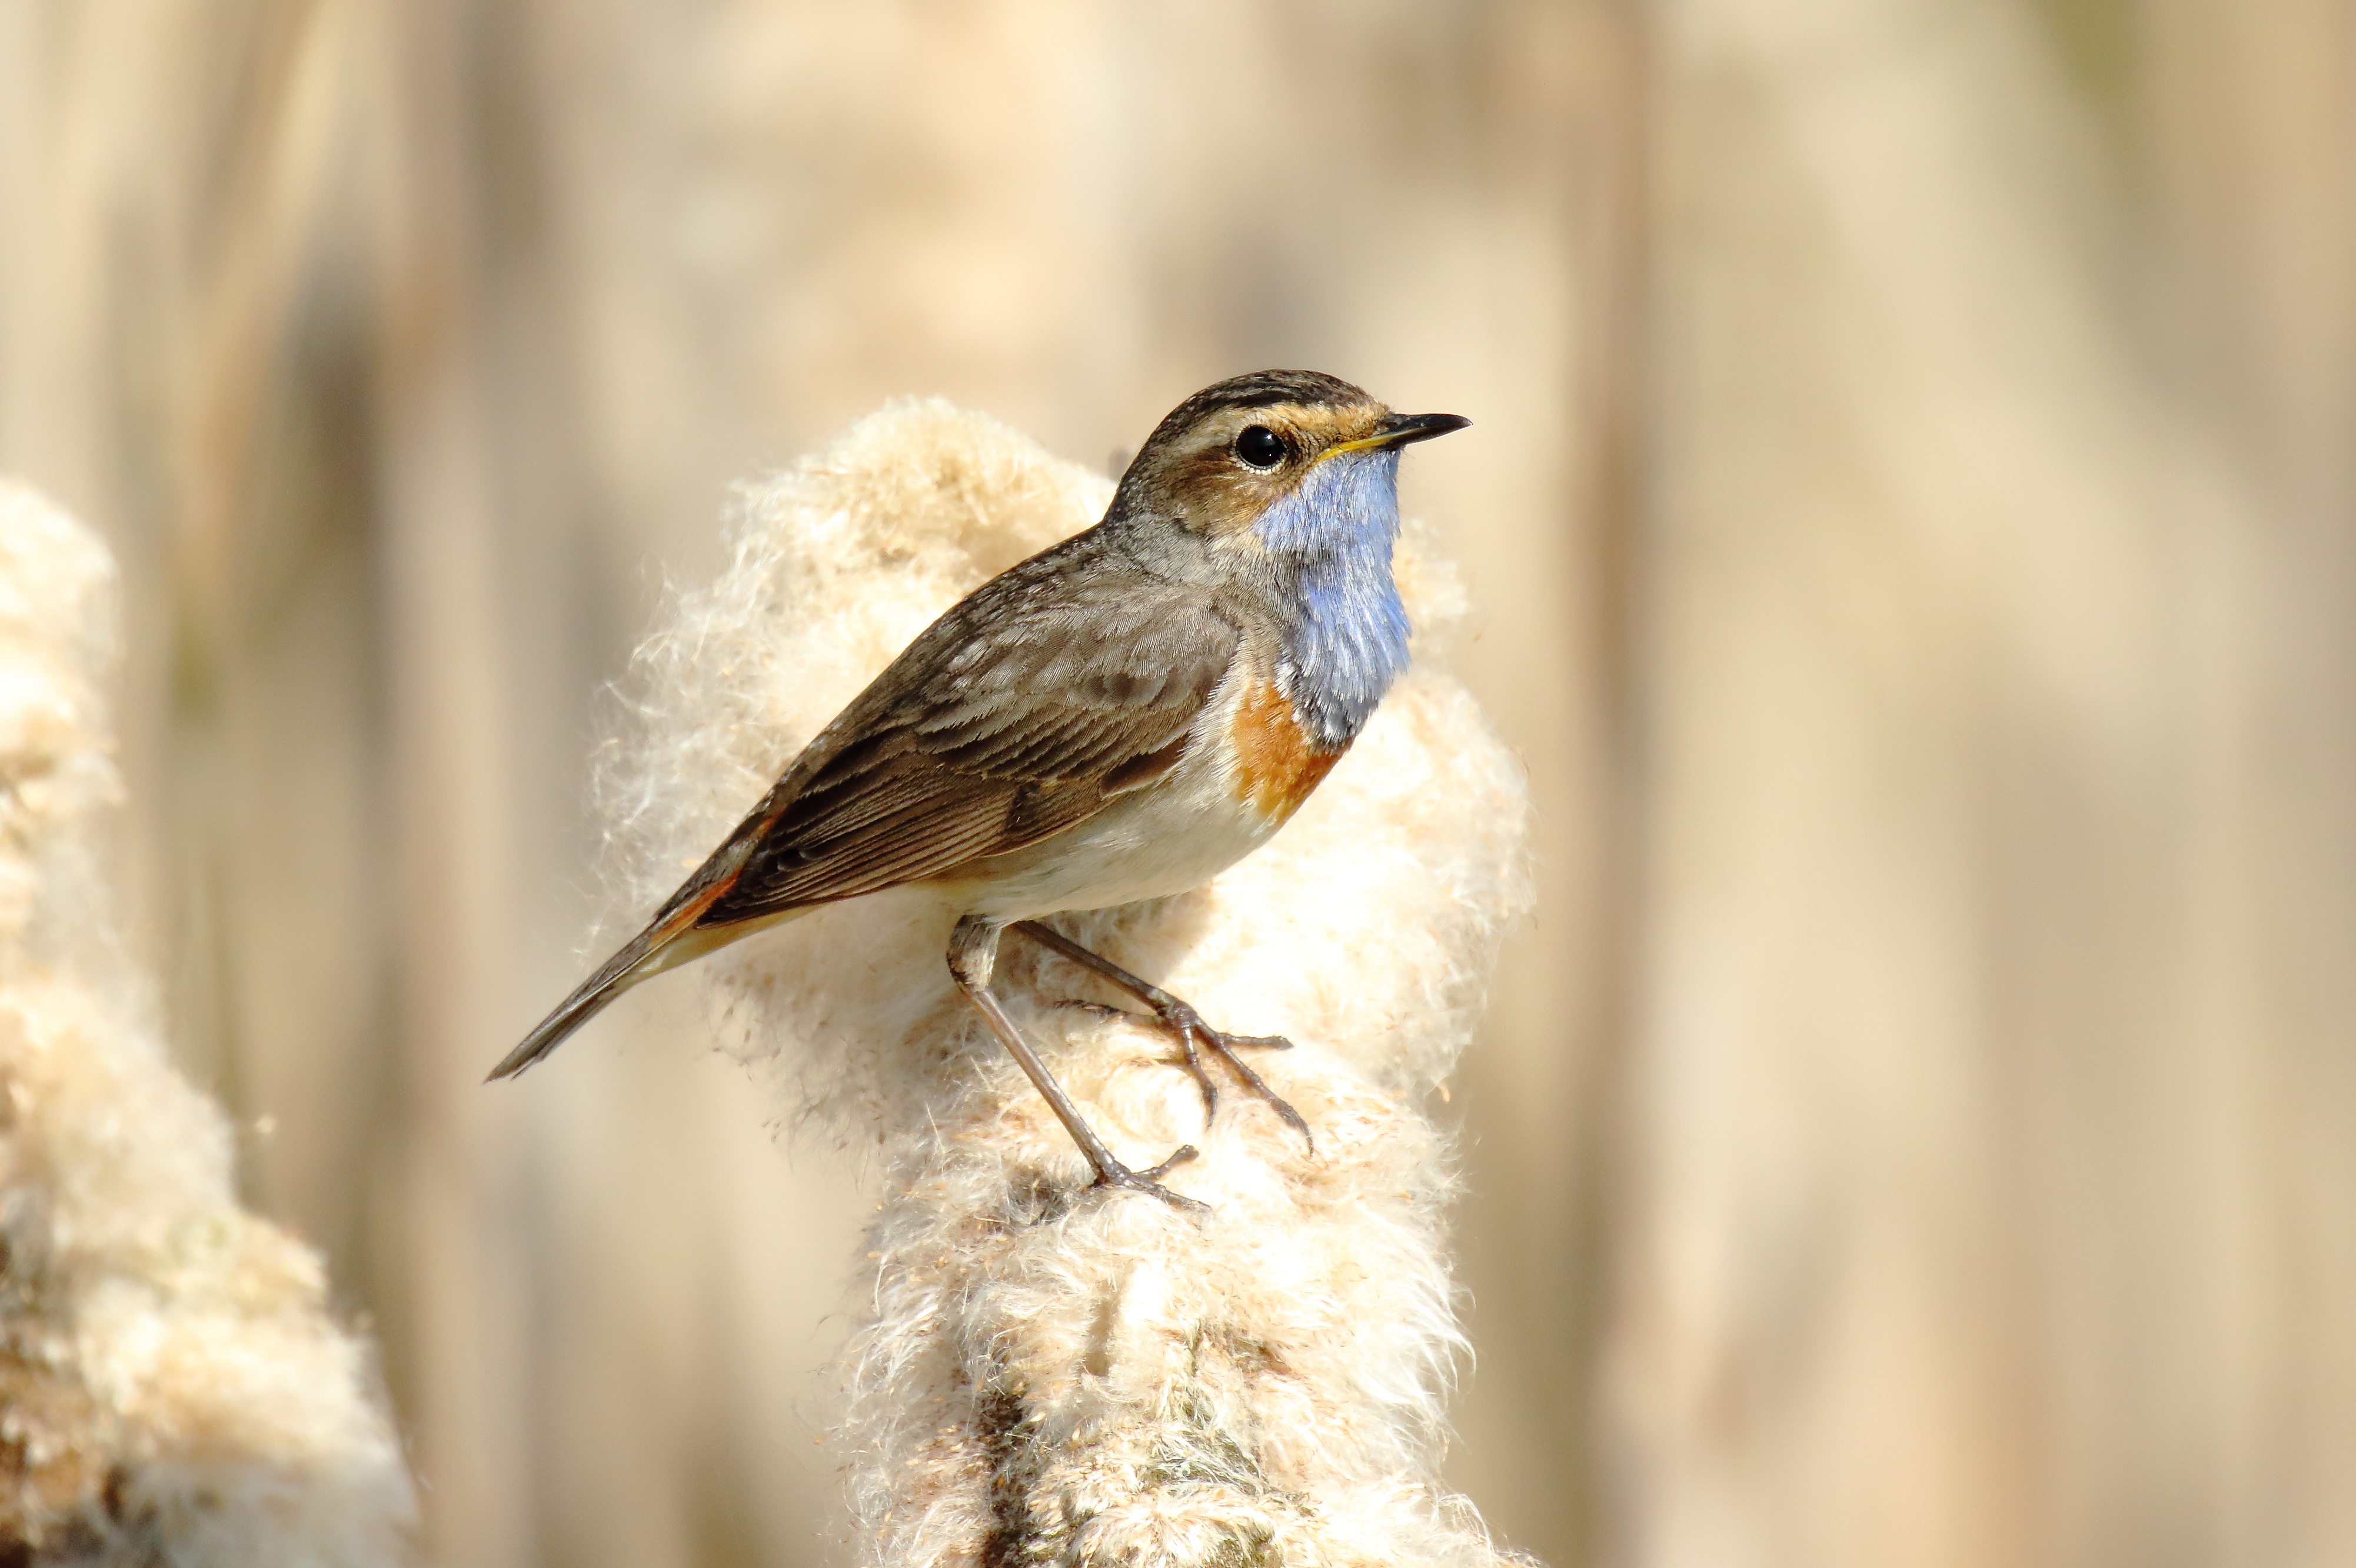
[1260, 446]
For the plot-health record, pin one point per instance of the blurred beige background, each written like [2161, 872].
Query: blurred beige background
[1909, 521]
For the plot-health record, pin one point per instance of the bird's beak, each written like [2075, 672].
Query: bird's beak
[1398, 430]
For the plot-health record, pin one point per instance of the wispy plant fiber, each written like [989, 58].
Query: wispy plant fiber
[1042, 1374]
[172, 1387]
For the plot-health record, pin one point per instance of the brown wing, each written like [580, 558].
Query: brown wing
[1050, 691]
[1018, 714]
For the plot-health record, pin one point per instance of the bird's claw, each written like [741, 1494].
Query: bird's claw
[1112, 1173]
[1194, 1036]
[1181, 1020]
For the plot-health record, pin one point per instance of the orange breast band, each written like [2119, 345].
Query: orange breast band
[1276, 766]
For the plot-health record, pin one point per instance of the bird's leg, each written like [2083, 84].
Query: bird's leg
[1184, 1022]
[973, 955]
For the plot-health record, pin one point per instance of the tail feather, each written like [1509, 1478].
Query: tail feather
[639, 959]
[666, 945]
[594, 994]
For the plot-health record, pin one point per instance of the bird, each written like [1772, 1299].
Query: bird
[1121, 717]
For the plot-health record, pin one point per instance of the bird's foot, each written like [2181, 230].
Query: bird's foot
[1195, 1037]
[1112, 1174]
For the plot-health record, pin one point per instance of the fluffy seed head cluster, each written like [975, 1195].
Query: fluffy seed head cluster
[1044, 1374]
[172, 1389]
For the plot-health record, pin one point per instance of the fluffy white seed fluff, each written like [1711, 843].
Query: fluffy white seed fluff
[172, 1389]
[1042, 1375]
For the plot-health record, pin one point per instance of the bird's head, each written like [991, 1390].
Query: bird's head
[1287, 460]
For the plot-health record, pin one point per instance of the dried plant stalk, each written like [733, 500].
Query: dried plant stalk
[1047, 1374]
[172, 1389]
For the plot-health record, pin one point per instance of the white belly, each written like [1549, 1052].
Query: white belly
[1170, 836]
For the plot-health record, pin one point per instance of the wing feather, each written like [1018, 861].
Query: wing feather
[1014, 716]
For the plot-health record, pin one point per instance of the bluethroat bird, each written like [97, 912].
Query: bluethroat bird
[1121, 717]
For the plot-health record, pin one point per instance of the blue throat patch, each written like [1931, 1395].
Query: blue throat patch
[1336, 531]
